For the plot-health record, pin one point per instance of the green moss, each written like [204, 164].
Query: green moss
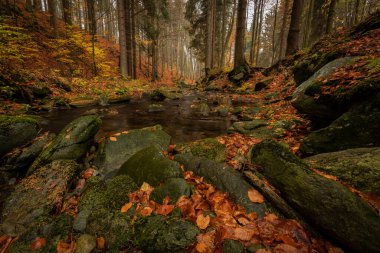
[118, 189]
[314, 88]
[173, 188]
[6, 121]
[210, 148]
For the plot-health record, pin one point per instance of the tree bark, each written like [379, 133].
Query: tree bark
[209, 35]
[283, 28]
[294, 29]
[53, 17]
[122, 38]
[66, 4]
[240, 34]
[274, 33]
[330, 16]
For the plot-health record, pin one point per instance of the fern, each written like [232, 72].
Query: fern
[373, 66]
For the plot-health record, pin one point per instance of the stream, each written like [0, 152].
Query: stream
[180, 119]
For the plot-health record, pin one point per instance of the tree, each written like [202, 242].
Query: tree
[53, 16]
[66, 5]
[283, 28]
[239, 59]
[210, 34]
[122, 38]
[294, 29]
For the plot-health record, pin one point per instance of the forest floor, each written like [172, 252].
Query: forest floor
[211, 217]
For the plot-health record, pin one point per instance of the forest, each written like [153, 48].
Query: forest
[202, 126]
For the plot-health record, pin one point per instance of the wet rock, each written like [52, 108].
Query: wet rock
[41, 92]
[223, 111]
[112, 154]
[263, 84]
[71, 143]
[224, 178]
[16, 131]
[359, 127]
[329, 206]
[157, 95]
[209, 148]
[232, 246]
[304, 99]
[161, 234]
[103, 100]
[156, 108]
[360, 168]
[37, 195]
[151, 166]
[16, 163]
[255, 128]
[173, 188]
[119, 99]
[85, 244]
[83, 103]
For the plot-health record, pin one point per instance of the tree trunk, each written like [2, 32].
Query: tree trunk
[283, 28]
[274, 33]
[330, 16]
[92, 30]
[122, 38]
[317, 21]
[133, 37]
[294, 29]
[128, 34]
[240, 34]
[53, 17]
[209, 35]
[228, 36]
[66, 4]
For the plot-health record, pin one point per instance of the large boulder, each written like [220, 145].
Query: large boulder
[223, 178]
[151, 166]
[16, 131]
[173, 188]
[210, 148]
[16, 163]
[71, 143]
[112, 154]
[360, 167]
[359, 127]
[37, 196]
[304, 98]
[329, 206]
[161, 234]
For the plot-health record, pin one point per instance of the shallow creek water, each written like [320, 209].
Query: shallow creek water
[181, 119]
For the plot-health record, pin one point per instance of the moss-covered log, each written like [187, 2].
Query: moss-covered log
[328, 205]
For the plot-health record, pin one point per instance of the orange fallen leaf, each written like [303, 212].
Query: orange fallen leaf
[63, 247]
[125, 132]
[203, 221]
[164, 209]
[126, 207]
[255, 196]
[88, 173]
[201, 247]
[117, 134]
[38, 243]
[113, 138]
[100, 243]
[146, 211]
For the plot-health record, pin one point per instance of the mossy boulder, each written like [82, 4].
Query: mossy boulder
[37, 196]
[151, 166]
[239, 75]
[112, 154]
[360, 167]
[223, 178]
[16, 163]
[85, 244]
[329, 206]
[71, 143]
[53, 229]
[359, 127]
[16, 131]
[161, 234]
[156, 108]
[210, 148]
[257, 128]
[173, 188]
[262, 84]
[304, 99]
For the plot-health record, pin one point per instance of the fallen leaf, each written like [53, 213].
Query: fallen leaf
[203, 221]
[126, 207]
[164, 209]
[100, 243]
[146, 211]
[117, 134]
[88, 173]
[201, 247]
[38, 243]
[125, 132]
[113, 138]
[255, 196]
[63, 247]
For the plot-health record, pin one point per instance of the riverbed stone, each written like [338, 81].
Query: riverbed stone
[223, 178]
[161, 234]
[210, 148]
[360, 167]
[112, 154]
[16, 131]
[37, 195]
[16, 163]
[151, 166]
[156, 108]
[173, 188]
[326, 204]
[71, 143]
